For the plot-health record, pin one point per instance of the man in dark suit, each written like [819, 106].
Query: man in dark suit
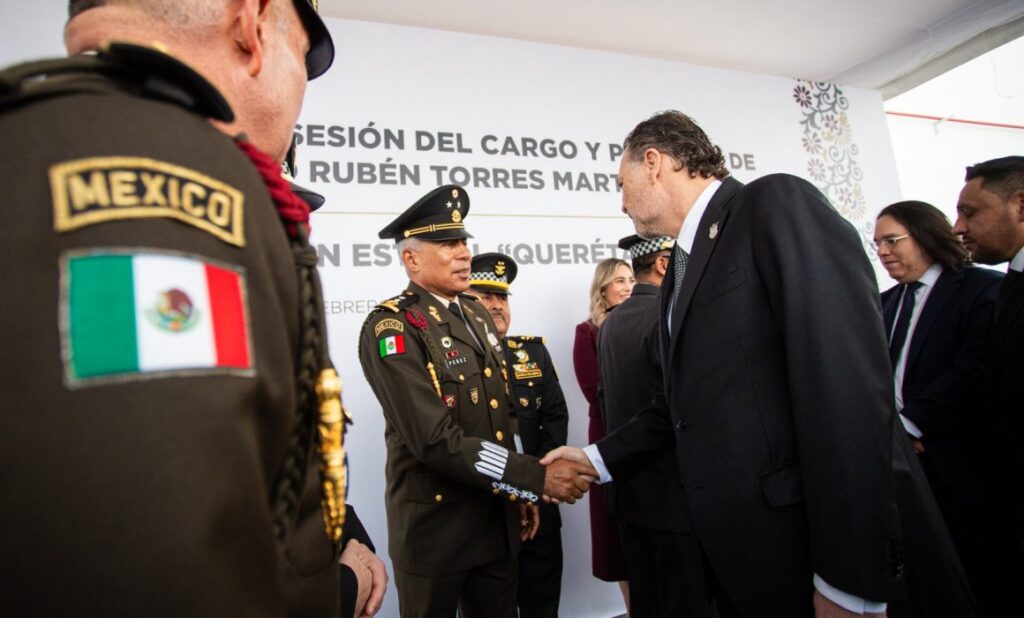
[543, 421]
[778, 396]
[991, 222]
[937, 320]
[663, 562]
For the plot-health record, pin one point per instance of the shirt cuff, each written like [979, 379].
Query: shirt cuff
[911, 427]
[598, 462]
[847, 601]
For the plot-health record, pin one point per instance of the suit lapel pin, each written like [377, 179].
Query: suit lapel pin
[713, 231]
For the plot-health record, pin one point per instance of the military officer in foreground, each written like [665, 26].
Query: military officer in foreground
[158, 439]
[458, 490]
[543, 422]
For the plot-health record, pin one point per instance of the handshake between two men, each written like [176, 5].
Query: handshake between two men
[568, 474]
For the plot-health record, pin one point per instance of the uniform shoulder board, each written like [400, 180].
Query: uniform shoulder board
[468, 296]
[145, 70]
[521, 339]
[398, 303]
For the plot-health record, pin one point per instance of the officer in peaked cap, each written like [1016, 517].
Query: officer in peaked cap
[543, 421]
[130, 155]
[461, 497]
[321, 46]
[662, 560]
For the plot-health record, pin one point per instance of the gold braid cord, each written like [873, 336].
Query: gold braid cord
[331, 447]
[433, 378]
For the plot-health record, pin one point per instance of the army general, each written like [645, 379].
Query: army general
[457, 487]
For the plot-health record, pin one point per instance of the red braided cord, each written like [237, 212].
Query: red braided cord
[291, 208]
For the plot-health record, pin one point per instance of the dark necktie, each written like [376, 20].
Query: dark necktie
[457, 312]
[681, 259]
[899, 335]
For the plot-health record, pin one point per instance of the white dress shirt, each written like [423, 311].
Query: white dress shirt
[685, 240]
[1017, 263]
[921, 295]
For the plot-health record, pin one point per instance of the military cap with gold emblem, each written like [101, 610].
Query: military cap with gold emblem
[492, 272]
[436, 216]
[638, 246]
[321, 46]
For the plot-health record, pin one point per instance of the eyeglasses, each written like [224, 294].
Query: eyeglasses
[888, 241]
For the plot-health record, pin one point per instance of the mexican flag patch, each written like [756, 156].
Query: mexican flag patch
[131, 315]
[392, 345]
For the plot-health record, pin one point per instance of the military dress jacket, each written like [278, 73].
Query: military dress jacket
[149, 351]
[454, 478]
[541, 413]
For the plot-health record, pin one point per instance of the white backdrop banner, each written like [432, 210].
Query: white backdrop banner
[534, 133]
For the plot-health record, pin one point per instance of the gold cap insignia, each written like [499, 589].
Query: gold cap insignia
[499, 268]
[455, 193]
[523, 401]
[456, 216]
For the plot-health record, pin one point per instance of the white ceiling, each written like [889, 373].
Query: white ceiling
[891, 45]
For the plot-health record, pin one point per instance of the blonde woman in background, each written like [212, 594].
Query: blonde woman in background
[612, 284]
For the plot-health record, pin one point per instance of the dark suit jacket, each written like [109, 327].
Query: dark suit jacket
[627, 348]
[780, 403]
[946, 374]
[1006, 344]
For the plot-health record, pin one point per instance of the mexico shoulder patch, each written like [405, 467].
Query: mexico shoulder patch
[98, 189]
[131, 315]
[392, 345]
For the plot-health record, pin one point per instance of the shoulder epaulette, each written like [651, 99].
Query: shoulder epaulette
[144, 70]
[521, 339]
[399, 302]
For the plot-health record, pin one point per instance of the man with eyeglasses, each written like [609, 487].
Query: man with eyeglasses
[937, 319]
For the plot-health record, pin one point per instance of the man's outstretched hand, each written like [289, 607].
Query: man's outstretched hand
[568, 475]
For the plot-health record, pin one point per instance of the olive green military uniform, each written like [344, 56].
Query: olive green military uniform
[146, 417]
[454, 477]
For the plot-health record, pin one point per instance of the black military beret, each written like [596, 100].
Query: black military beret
[437, 215]
[638, 246]
[492, 272]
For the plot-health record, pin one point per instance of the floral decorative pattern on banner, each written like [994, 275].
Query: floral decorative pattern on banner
[828, 141]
